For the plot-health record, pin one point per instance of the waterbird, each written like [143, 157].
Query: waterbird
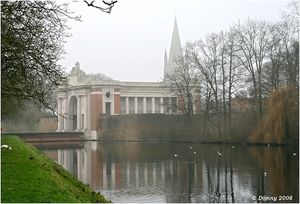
[194, 152]
[175, 155]
[294, 154]
[6, 146]
[232, 147]
[265, 174]
[219, 153]
[191, 147]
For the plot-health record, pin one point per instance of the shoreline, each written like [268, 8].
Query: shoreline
[28, 175]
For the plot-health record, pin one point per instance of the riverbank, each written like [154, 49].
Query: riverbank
[28, 175]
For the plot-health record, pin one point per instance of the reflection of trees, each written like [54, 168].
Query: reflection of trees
[180, 185]
[191, 168]
[213, 179]
[214, 164]
[231, 180]
[281, 167]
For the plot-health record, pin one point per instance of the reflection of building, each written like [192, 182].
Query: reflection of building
[232, 177]
[106, 176]
[85, 100]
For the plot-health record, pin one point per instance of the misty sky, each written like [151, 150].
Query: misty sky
[129, 43]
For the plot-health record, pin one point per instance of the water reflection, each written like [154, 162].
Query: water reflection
[150, 172]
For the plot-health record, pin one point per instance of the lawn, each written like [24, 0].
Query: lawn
[28, 175]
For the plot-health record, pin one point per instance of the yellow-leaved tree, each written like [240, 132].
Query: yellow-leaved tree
[280, 124]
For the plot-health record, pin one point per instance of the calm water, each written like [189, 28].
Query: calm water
[150, 172]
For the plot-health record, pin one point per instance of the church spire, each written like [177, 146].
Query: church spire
[175, 52]
[166, 58]
[175, 49]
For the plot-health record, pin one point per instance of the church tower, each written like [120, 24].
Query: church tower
[175, 52]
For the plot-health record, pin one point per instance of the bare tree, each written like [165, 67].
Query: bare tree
[184, 83]
[290, 52]
[206, 97]
[291, 15]
[273, 69]
[220, 72]
[253, 39]
[282, 68]
[204, 54]
[230, 76]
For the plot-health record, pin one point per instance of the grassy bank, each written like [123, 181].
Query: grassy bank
[28, 175]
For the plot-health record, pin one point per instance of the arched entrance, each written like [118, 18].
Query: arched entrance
[73, 113]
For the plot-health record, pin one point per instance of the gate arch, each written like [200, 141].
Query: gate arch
[73, 113]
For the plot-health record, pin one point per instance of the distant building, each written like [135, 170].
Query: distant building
[241, 104]
[85, 100]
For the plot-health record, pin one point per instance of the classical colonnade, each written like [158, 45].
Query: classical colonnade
[135, 105]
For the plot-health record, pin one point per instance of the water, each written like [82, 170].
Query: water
[150, 172]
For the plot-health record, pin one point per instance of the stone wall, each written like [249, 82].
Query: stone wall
[161, 127]
[152, 127]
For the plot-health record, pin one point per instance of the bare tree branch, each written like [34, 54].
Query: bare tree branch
[108, 9]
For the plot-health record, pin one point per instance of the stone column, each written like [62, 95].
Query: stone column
[153, 104]
[135, 105]
[79, 113]
[85, 106]
[127, 105]
[144, 105]
[60, 118]
[66, 113]
[161, 105]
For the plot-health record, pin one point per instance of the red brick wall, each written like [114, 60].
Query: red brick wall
[96, 108]
[117, 99]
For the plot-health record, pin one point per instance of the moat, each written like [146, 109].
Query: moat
[183, 172]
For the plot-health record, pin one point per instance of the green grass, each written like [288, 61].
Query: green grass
[38, 180]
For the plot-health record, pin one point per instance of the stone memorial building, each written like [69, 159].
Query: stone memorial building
[85, 100]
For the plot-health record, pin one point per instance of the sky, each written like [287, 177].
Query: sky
[129, 43]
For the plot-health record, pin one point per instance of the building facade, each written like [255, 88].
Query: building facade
[81, 105]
